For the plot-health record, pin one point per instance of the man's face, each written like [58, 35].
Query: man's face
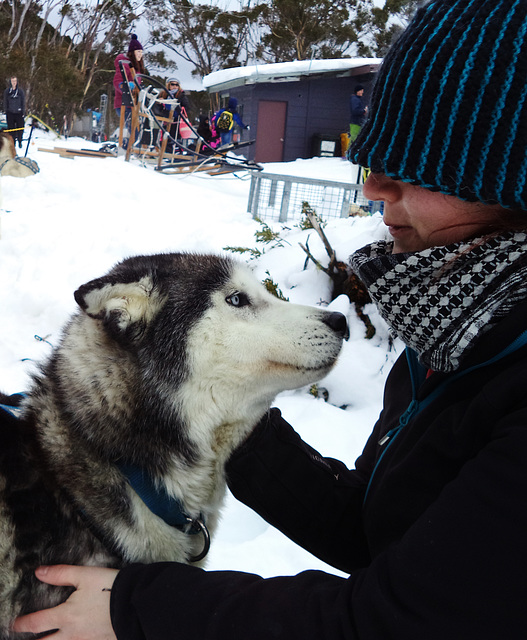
[13, 82]
[360, 93]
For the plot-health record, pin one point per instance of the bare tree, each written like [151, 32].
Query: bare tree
[17, 21]
[47, 8]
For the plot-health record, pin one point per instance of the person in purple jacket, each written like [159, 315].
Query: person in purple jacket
[431, 524]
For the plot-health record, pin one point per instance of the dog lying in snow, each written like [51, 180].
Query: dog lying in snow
[10, 163]
[166, 368]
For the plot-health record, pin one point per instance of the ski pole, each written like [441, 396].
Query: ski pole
[29, 139]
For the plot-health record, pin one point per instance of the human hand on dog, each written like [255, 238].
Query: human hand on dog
[86, 613]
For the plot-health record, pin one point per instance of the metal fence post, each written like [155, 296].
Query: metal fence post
[345, 209]
[250, 202]
[272, 192]
[256, 198]
[284, 208]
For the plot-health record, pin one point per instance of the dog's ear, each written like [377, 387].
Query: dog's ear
[124, 308]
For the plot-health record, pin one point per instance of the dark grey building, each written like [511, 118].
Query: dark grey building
[294, 109]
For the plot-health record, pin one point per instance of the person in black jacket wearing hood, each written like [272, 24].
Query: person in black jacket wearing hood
[15, 110]
[431, 524]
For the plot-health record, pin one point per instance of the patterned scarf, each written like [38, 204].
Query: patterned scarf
[438, 301]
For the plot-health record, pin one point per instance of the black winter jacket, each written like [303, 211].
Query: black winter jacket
[357, 110]
[14, 100]
[437, 548]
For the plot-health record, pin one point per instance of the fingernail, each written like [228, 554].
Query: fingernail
[41, 571]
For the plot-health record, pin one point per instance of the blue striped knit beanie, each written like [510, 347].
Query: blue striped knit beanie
[449, 108]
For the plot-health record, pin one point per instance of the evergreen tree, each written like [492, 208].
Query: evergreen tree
[302, 29]
[203, 34]
[379, 26]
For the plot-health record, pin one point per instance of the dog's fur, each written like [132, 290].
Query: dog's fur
[11, 166]
[169, 364]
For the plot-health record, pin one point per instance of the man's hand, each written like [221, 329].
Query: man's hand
[86, 613]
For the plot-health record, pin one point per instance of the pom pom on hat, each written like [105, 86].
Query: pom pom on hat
[134, 44]
[449, 106]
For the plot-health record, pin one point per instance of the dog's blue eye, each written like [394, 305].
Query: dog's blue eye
[237, 299]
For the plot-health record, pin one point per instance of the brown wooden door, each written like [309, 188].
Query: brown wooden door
[270, 132]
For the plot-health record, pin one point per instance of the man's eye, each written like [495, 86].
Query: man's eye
[237, 299]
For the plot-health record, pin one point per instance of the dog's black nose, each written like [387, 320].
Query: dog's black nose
[337, 322]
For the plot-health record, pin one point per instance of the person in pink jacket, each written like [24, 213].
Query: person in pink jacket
[133, 60]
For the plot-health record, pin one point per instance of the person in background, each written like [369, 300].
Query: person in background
[209, 135]
[173, 91]
[96, 116]
[15, 109]
[358, 112]
[230, 119]
[430, 525]
[65, 128]
[133, 64]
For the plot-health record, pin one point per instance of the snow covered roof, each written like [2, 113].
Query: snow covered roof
[288, 72]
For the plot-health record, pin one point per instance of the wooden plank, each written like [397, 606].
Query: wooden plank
[49, 150]
[187, 161]
[102, 154]
[60, 153]
[186, 169]
[70, 153]
[140, 152]
[227, 169]
[91, 152]
[85, 154]
[164, 140]
[134, 131]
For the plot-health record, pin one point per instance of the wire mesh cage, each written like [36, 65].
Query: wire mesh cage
[283, 198]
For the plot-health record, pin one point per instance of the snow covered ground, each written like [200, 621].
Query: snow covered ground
[72, 221]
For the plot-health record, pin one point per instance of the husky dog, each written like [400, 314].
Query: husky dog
[118, 453]
[10, 163]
